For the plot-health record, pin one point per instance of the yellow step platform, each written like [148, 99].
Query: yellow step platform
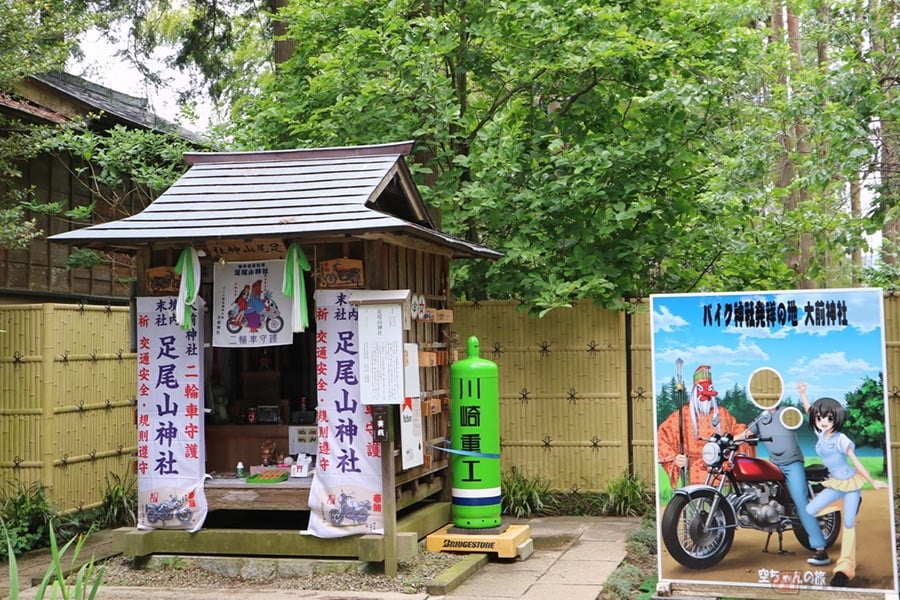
[514, 541]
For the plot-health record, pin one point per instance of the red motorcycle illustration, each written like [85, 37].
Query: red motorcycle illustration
[699, 522]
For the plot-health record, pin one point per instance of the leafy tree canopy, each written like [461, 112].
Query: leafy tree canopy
[610, 150]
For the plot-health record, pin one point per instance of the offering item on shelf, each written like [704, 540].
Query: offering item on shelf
[268, 453]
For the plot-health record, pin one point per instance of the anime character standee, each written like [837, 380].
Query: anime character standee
[848, 476]
[784, 451]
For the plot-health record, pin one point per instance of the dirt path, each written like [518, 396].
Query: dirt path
[747, 564]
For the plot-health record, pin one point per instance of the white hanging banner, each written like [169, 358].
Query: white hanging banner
[171, 452]
[345, 496]
[249, 306]
[412, 451]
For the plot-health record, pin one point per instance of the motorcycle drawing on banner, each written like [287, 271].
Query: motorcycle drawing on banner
[173, 508]
[699, 523]
[262, 313]
[350, 509]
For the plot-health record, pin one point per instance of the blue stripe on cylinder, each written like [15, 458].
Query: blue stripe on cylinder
[487, 501]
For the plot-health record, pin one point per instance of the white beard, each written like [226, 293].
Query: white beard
[699, 408]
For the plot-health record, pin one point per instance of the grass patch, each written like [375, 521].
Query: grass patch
[636, 577]
[526, 496]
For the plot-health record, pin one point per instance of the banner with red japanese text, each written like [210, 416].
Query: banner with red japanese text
[171, 451]
[345, 497]
[249, 306]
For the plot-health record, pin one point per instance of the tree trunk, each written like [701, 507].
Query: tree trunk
[282, 49]
[804, 239]
[889, 152]
[856, 214]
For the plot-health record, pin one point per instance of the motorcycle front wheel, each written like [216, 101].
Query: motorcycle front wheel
[686, 536]
[274, 324]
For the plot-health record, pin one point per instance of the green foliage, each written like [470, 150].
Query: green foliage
[26, 512]
[647, 589]
[55, 584]
[885, 272]
[634, 578]
[621, 582]
[735, 399]
[123, 169]
[11, 558]
[610, 150]
[16, 230]
[865, 421]
[575, 502]
[38, 36]
[642, 541]
[627, 496]
[120, 501]
[523, 495]
[579, 138]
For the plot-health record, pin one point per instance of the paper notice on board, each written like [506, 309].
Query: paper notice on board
[412, 451]
[381, 354]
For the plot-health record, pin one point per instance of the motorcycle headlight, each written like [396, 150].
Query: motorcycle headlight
[711, 453]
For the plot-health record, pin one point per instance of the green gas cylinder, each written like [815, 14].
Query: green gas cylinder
[475, 441]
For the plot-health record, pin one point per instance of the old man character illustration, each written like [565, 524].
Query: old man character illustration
[681, 436]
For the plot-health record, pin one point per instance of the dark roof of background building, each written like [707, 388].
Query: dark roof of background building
[62, 95]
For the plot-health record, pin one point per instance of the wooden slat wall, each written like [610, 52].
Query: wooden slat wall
[545, 431]
[41, 268]
[892, 377]
[563, 397]
[566, 382]
[66, 401]
[643, 418]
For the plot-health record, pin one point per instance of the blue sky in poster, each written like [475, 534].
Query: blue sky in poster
[833, 359]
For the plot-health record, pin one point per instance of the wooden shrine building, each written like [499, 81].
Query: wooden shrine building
[358, 217]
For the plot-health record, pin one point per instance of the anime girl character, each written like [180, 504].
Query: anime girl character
[241, 304]
[847, 477]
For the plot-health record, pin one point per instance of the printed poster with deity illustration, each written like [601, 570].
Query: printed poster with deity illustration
[249, 307]
[808, 506]
[345, 496]
[171, 447]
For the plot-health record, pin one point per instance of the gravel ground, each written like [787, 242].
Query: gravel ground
[412, 576]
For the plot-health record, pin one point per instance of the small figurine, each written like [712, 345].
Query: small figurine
[268, 453]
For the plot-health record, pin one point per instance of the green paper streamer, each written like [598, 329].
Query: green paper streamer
[295, 286]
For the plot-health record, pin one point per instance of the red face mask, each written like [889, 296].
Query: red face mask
[705, 391]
